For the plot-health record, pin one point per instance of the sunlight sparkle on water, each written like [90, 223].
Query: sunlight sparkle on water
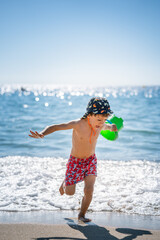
[37, 99]
[46, 104]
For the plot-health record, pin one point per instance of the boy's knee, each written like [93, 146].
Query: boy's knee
[69, 192]
[88, 191]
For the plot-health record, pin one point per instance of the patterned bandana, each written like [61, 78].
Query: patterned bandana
[98, 106]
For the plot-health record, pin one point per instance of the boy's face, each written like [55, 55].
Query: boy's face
[97, 121]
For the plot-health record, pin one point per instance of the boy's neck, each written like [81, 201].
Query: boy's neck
[92, 129]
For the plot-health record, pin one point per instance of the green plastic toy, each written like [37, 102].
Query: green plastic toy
[112, 135]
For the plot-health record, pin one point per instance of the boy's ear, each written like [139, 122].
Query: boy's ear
[90, 115]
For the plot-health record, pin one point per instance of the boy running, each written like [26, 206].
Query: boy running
[82, 163]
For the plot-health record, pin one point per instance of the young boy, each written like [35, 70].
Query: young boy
[82, 164]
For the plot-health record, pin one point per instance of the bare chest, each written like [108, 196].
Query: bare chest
[84, 136]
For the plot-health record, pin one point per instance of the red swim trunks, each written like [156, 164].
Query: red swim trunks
[79, 168]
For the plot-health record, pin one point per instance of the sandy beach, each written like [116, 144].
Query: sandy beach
[76, 232]
[64, 225]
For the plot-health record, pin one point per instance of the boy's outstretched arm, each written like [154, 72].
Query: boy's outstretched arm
[54, 128]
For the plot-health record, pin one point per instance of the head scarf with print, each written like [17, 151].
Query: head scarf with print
[97, 105]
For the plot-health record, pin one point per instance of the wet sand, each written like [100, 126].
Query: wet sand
[45, 225]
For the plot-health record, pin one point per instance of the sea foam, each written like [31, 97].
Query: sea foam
[32, 183]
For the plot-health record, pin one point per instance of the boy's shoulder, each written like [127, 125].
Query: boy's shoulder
[78, 122]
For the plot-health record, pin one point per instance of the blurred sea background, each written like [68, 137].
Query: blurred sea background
[35, 107]
[31, 170]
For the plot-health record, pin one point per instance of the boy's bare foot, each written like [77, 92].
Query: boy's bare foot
[83, 218]
[61, 189]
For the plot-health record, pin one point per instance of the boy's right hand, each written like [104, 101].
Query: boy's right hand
[36, 134]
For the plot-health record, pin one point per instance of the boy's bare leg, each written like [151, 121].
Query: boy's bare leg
[62, 188]
[88, 193]
[69, 190]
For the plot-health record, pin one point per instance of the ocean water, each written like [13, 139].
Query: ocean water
[31, 170]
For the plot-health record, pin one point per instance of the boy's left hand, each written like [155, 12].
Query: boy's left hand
[114, 128]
